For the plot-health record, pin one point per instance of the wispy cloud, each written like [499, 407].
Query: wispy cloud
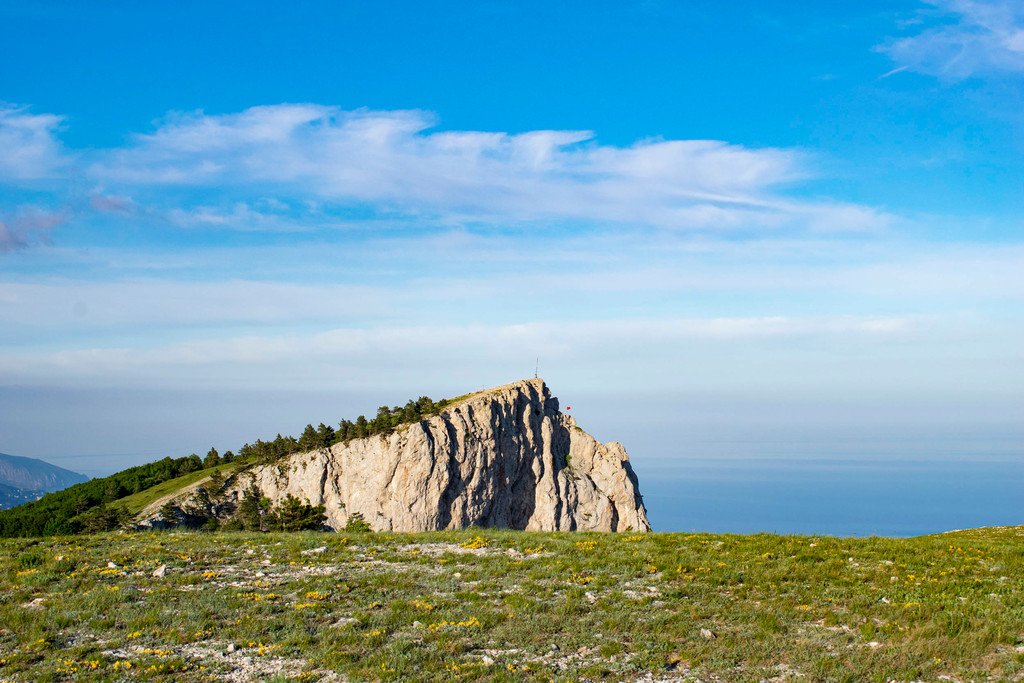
[104, 203]
[970, 38]
[83, 305]
[307, 167]
[892, 72]
[270, 359]
[445, 279]
[27, 225]
[397, 164]
[29, 149]
[261, 215]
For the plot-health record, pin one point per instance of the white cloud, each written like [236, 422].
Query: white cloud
[288, 168]
[983, 37]
[393, 162]
[240, 216]
[29, 149]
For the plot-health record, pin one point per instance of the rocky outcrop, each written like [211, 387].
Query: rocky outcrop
[506, 457]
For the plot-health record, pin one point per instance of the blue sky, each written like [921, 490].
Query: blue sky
[742, 230]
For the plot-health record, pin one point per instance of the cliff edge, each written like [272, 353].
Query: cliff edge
[504, 457]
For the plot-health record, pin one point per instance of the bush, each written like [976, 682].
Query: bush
[252, 509]
[357, 525]
[292, 514]
[102, 518]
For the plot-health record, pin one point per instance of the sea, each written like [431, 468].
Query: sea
[836, 495]
[840, 497]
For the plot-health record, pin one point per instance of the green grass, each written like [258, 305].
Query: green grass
[510, 606]
[450, 403]
[137, 502]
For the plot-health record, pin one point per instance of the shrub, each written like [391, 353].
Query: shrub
[292, 514]
[357, 525]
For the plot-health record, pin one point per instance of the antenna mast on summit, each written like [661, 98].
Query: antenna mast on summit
[536, 369]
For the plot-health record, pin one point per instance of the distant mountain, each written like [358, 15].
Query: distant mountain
[25, 479]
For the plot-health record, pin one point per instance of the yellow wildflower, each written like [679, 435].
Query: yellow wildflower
[475, 543]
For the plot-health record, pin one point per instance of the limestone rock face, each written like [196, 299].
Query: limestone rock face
[506, 457]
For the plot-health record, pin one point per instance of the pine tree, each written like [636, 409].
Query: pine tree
[292, 514]
[308, 440]
[212, 458]
[252, 509]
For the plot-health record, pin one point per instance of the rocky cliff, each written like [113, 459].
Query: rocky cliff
[505, 457]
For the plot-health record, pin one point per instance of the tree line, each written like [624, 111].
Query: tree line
[324, 436]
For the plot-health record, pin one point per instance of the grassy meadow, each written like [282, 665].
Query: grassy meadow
[503, 605]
